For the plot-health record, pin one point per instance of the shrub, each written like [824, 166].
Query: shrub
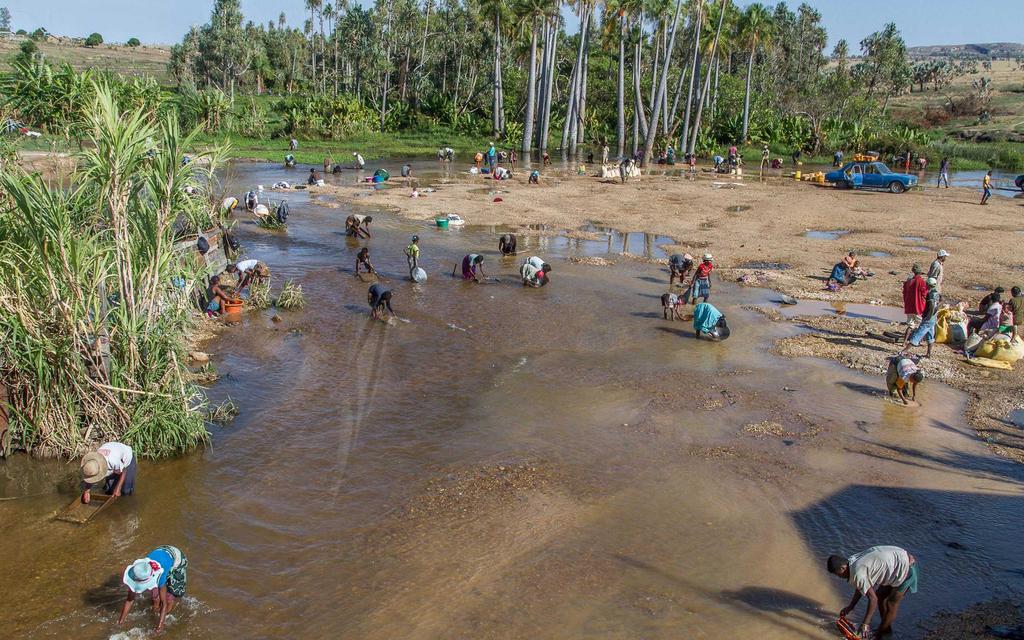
[133, 42]
[94, 40]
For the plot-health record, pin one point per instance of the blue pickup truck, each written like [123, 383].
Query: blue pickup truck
[870, 175]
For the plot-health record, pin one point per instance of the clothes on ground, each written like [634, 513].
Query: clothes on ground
[705, 317]
[882, 566]
[914, 292]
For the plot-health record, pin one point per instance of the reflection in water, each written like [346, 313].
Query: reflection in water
[564, 465]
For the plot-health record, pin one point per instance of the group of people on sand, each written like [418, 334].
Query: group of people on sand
[708, 322]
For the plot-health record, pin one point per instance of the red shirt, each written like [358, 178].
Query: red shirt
[914, 291]
[704, 269]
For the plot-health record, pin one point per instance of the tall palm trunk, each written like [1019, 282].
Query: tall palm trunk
[638, 98]
[652, 130]
[694, 68]
[498, 120]
[620, 123]
[746, 97]
[531, 95]
[707, 82]
[582, 114]
[550, 84]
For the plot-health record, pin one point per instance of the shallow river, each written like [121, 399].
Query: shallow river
[513, 463]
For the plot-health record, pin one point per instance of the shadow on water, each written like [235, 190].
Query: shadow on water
[943, 529]
[791, 612]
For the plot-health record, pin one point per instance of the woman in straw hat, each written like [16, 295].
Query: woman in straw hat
[163, 573]
[114, 465]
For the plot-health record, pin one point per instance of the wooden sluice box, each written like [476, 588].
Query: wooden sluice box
[80, 513]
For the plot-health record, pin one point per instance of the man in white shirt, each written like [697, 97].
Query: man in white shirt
[884, 574]
[114, 465]
[247, 271]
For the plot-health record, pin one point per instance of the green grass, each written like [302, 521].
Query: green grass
[128, 61]
[370, 145]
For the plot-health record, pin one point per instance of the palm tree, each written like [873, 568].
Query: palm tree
[659, 96]
[313, 6]
[530, 14]
[755, 28]
[495, 9]
[707, 82]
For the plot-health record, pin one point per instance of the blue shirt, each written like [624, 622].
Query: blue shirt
[705, 317]
[166, 563]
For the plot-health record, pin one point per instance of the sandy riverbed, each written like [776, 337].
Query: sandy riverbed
[755, 222]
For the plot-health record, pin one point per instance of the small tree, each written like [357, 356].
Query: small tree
[22, 32]
[94, 40]
[27, 53]
[39, 34]
[5, 19]
[133, 42]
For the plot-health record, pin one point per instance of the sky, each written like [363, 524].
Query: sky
[923, 22]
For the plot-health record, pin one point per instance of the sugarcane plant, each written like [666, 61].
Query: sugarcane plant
[94, 302]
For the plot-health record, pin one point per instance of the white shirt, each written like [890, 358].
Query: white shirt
[118, 456]
[536, 262]
[879, 566]
[360, 161]
[246, 265]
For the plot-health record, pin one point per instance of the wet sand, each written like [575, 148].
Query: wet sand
[749, 221]
[520, 463]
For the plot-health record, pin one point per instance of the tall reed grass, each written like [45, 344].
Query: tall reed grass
[95, 305]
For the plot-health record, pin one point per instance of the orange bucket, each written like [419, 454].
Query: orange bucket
[235, 306]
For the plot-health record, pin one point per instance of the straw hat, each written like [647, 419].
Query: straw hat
[687, 256]
[142, 575]
[943, 253]
[708, 257]
[94, 467]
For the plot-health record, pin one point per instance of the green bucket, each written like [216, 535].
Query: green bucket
[442, 223]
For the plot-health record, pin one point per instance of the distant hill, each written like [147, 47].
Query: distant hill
[989, 50]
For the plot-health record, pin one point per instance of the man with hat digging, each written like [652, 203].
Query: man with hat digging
[114, 465]
[163, 574]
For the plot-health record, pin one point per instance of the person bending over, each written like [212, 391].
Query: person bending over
[363, 260]
[709, 323]
[884, 575]
[507, 244]
[471, 264]
[379, 300]
[901, 375]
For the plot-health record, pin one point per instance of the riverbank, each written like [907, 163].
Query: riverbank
[750, 225]
[758, 231]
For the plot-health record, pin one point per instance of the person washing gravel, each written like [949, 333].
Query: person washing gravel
[884, 575]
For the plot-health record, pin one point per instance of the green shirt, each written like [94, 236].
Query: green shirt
[413, 251]
[1017, 303]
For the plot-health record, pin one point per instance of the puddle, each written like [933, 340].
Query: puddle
[1017, 418]
[850, 310]
[917, 239]
[738, 208]
[879, 254]
[825, 235]
[771, 266]
[920, 248]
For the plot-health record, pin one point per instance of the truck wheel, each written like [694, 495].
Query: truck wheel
[896, 187]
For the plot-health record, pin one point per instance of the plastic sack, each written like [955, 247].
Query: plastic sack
[419, 274]
[944, 320]
[1002, 349]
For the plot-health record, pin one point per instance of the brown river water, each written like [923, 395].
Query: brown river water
[518, 463]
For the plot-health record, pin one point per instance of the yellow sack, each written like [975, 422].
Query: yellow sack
[1002, 350]
[990, 364]
[943, 319]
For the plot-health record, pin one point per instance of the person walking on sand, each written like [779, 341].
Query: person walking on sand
[943, 173]
[884, 575]
[700, 286]
[926, 330]
[163, 573]
[938, 269]
[915, 290]
[901, 373]
[986, 186]
[604, 152]
[470, 264]
[114, 465]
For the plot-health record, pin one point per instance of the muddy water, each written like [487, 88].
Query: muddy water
[518, 463]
